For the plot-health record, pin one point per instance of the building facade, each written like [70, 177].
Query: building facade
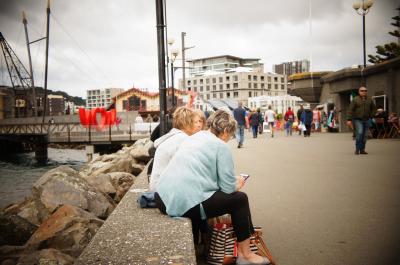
[290, 68]
[230, 77]
[101, 97]
[279, 104]
[55, 105]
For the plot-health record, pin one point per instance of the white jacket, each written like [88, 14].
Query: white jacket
[166, 146]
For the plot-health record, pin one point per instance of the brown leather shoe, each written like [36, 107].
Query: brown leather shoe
[356, 152]
[363, 152]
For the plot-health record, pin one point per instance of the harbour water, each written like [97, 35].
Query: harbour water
[19, 172]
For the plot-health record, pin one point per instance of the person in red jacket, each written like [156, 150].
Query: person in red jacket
[289, 118]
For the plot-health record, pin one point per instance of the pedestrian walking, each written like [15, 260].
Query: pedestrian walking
[254, 120]
[240, 116]
[289, 118]
[361, 109]
[270, 116]
[306, 119]
[316, 119]
[299, 112]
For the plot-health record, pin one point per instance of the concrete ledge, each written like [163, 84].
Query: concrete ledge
[132, 235]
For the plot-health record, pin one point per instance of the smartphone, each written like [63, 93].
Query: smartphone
[245, 176]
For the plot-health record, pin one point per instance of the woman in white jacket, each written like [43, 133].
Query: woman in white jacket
[185, 123]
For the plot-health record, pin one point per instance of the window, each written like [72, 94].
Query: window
[214, 87]
[249, 85]
[195, 82]
[221, 87]
[201, 81]
[254, 78]
[228, 86]
[195, 89]
[188, 82]
[269, 86]
[228, 94]
[249, 77]
[235, 78]
[235, 94]
[207, 80]
[214, 95]
[276, 86]
[275, 78]
[249, 93]
[262, 85]
[269, 79]
[227, 79]
[208, 96]
[262, 78]
[282, 80]
[207, 88]
[255, 94]
[255, 85]
[283, 87]
[201, 89]
[221, 79]
[235, 85]
[214, 80]
[221, 95]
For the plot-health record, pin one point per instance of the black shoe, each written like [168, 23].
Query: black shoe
[357, 152]
[362, 152]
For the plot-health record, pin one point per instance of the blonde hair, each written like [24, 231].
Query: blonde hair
[221, 121]
[183, 118]
[202, 117]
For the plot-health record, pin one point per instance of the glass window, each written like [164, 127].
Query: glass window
[214, 80]
[208, 96]
[221, 79]
[276, 86]
[228, 86]
[269, 86]
[195, 82]
[227, 79]
[188, 82]
[235, 94]
[255, 85]
[235, 85]
[228, 94]
[221, 87]
[269, 79]
[207, 88]
[201, 81]
[214, 87]
[282, 80]
[262, 78]
[207, 80]
[249, 93]
[275, 78]
[254, 78]
[262, 85]
[249, 85]
[283, 87]
[195, 89]
[214, 95]
[221, 95]
[249, 77]
[235, 78]
[201, 89]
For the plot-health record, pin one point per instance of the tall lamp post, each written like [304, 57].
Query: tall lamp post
[362, 8]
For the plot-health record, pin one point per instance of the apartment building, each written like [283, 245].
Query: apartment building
[293, 67]
[101, 97]
[230, 77]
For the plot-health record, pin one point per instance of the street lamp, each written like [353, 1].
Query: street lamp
[184, 48]
[362, 8]
[174, 54]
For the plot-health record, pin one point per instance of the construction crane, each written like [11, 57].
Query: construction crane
[21, 80]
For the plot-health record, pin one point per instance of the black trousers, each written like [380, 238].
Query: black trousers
[236, 204]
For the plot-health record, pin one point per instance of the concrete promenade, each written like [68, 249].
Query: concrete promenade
[318, 203]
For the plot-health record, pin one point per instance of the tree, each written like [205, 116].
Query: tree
[389, 50]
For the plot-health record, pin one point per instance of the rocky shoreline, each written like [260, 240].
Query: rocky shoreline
[67, 207]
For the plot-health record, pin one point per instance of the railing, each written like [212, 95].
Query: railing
[76, 133]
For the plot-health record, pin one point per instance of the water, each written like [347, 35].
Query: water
[19, 172]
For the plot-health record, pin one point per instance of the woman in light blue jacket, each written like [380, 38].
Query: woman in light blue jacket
[199, 183]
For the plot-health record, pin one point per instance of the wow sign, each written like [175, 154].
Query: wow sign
[89, 118]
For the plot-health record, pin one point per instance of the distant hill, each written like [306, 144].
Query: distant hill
[77, 100]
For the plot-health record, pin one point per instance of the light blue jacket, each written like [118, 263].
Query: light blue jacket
[202, 165]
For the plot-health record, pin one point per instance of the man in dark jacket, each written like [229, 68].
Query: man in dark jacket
[240, 116]
[361, 109]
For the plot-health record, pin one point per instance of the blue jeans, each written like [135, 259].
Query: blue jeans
[255, 130]
[361, 129]
[289, 125]
[240, 134]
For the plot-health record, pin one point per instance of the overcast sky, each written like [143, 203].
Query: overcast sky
[101, 44]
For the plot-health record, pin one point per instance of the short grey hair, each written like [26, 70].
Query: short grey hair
[221, 121]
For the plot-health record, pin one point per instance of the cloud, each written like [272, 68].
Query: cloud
[99, 43]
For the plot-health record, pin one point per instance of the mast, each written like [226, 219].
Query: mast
[47, 61]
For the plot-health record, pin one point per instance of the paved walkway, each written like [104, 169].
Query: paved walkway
[318, 203]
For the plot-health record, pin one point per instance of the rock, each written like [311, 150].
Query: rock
[137, 167]
[46, 257]
[63, 185]
[15, 230]
[140, 151]
[27, 210]
[9, 262]
[122, 182]
[102, 182]
[11, 254]
[69, 229]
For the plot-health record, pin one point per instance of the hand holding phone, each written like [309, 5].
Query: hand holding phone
[245, 176]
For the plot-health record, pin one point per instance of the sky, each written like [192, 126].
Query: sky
[96, 44]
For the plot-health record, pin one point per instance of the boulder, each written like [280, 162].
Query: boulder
[15, 230]
[140, 150]
[69, 229]
[46, 257]
[121, 181]
[102, 182]
[27, 210]
[137, 167]
[63, 185]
